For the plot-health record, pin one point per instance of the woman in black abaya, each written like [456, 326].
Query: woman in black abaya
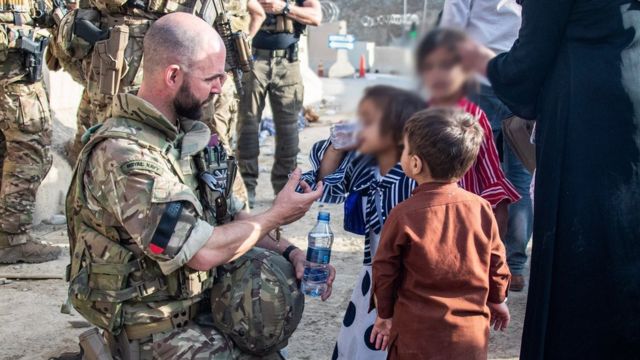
[576, 69]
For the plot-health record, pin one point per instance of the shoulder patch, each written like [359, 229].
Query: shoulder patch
[144, 166]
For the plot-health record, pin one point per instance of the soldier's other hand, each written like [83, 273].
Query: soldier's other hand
[290, 205]
[272, 6]
[298, 257]
[330, 279]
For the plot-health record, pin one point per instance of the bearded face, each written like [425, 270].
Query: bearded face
[187, 104]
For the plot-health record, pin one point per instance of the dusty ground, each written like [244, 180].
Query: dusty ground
[32, 326]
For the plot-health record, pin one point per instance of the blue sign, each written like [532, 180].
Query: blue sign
[340, 45]
[341, 41]
[342, 38]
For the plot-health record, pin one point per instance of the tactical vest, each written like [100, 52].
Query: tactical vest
[283, 24]
[105, 274]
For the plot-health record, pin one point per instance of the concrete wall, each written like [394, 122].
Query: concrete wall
[64, 97]
[393, 60]
[319, 51]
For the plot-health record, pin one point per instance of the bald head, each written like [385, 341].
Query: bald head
[179, 38]
[184, 66]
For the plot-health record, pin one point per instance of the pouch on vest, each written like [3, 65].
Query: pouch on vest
[96, 289]
[256, 301]
[284, 24]
[216, 174]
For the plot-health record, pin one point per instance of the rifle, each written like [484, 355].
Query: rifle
[87, 31]
[33, 54]
[239, 59]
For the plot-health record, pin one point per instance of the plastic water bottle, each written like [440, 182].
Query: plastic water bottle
[314, 281]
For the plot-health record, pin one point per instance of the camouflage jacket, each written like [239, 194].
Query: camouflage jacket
[135, 218]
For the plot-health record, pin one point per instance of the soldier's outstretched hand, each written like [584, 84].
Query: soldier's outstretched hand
[290, 205]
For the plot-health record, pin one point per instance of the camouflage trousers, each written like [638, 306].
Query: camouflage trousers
[282, 81]
[25, 141]
[193, 342]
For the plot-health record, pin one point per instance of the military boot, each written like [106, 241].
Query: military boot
[251, 197]
[28, 250]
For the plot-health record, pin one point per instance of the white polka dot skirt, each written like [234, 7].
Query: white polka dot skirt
[353, 341]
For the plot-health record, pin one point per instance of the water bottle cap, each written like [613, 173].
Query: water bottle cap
[324, 216]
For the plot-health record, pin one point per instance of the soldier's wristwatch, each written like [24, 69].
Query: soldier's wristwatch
[286, 10]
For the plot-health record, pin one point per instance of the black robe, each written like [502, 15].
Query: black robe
[576, 69]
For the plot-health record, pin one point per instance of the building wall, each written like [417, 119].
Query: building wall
[375, 20]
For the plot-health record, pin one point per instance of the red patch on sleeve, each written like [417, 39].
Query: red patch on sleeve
[155, 249]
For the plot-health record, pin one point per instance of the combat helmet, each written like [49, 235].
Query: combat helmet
[257, 302]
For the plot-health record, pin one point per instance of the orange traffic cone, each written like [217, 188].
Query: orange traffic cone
[362, 66]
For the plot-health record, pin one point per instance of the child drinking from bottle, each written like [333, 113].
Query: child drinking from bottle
[440, 274]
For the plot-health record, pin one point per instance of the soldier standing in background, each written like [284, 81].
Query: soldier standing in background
[151, 221]
[246, 16]
[25, 125]
[276, 72]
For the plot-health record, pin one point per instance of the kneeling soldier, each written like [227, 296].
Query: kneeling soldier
[158, 239]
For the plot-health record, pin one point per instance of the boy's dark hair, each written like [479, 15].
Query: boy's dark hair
[446, 139]
[397, 107]
[435, 39]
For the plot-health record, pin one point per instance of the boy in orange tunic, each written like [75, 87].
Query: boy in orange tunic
[440, 276]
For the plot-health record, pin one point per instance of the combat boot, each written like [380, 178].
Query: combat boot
[251, 197]
[31, 251]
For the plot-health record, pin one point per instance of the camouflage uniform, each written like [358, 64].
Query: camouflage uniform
[25, 141]
[276, 72]
[135, 219]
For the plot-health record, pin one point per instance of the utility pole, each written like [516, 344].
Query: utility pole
[424, 17]
[404, 19]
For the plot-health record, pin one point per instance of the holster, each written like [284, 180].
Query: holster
[107, 61]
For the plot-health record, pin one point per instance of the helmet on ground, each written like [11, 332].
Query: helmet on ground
[256, 301]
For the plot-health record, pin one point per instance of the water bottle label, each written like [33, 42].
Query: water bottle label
[319, 256]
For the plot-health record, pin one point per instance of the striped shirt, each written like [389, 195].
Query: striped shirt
[360, 174]
[485, 177]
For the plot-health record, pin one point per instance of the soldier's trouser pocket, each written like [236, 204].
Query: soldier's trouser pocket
[32, 107]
